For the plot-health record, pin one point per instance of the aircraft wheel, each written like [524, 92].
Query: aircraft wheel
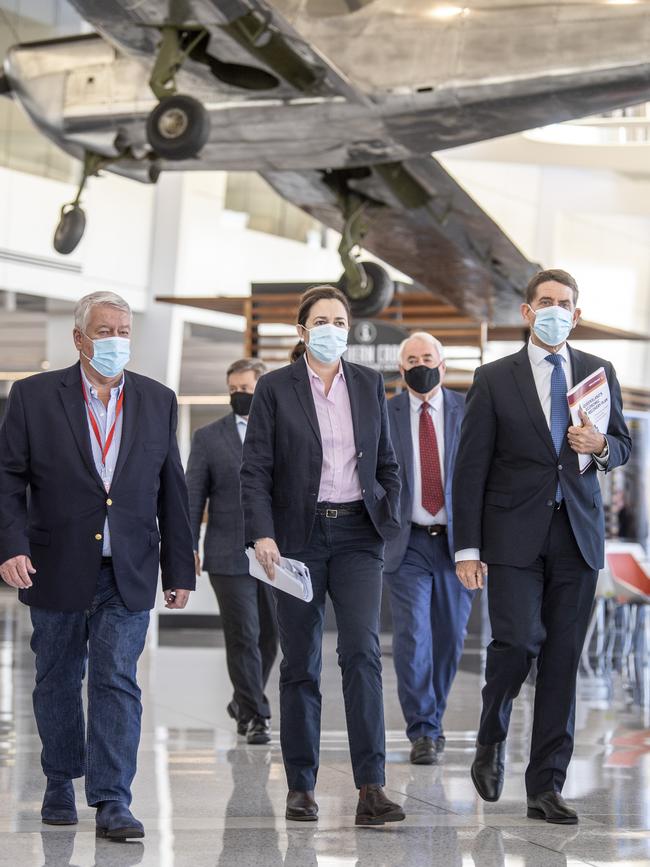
[178, 127]
[70, 229]
[379, 292]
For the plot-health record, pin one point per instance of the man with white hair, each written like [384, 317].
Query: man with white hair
[430, 607]
[96, 447]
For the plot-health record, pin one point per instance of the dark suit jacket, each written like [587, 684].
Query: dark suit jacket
[399, 415]
[45, 444]
[281, 469]
[213, 474]
[507, 468]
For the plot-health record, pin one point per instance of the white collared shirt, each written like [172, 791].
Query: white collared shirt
[542, 372]
[241, 424]
[419, 515]
[105, 417]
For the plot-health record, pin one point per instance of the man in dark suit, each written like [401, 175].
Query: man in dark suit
[522, 506]
[246, 604]
[95, 447]
[430, 606]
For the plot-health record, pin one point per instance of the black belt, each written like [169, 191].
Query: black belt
[432, 529]
[339, 510]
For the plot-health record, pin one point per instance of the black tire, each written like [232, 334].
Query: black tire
[178, 127]
[382, 289]
[70, 229]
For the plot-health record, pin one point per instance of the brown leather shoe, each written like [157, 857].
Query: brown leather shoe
[301, 807]
[374, 808]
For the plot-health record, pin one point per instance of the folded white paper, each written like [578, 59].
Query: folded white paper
[291, 576]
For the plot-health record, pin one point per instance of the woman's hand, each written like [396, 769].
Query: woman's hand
[267, 554]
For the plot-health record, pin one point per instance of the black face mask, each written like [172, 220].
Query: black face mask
[240, 401]
[422, 379]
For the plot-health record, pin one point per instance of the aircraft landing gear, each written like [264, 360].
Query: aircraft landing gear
[367, 285]
[72, 222]
[179, 126]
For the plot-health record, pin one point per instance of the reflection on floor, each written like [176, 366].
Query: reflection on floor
[208, 799]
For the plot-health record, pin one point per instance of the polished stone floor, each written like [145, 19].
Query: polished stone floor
[207, 799]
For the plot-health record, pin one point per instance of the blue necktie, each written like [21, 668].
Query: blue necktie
[559, 409]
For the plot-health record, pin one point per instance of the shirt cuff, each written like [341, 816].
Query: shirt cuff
[603, 459]
[467, 554]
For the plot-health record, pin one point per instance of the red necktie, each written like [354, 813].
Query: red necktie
[433, 496]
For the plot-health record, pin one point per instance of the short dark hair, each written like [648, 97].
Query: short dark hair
[307, 301]
[555, 275]
[258, 367]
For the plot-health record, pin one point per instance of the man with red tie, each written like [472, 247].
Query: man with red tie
[430, 607]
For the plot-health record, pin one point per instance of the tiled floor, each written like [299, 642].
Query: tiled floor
[207, 799]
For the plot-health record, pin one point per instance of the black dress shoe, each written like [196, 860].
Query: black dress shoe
[423, 752]
[232, 709]
[115, 821]
[551, 807]
[374, 808]
[301, 807]
[441, 740]
[59, 804]
[488, 770]
[259, 731]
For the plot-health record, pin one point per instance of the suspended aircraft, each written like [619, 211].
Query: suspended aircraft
[340, 106]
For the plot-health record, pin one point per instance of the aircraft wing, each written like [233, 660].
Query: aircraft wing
[420, 220]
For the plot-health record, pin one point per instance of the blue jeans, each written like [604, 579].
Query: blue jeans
[430, 610]
[109, 639]
[345, 558]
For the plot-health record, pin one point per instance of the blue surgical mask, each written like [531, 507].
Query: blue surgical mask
[327, 343]
[553, 325]
[110, 355]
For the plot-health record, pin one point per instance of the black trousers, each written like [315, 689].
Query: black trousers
[251, 634]
[540, 611]
[345, 558]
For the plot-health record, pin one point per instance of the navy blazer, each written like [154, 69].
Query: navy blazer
[45, 447]
[399, 416]
[281, 469]
[213, 475]
[507, 468]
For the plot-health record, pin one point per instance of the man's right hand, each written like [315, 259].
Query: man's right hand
[267, 554]
[471, 573]
[16, 571]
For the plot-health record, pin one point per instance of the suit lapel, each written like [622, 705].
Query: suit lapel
[231, 435]
[402, 415]
[525, 380]
[75, 410]
[355, 396]
[578, 373]
[130, 415]
[306, 398]
[578, 367]
[452, 411]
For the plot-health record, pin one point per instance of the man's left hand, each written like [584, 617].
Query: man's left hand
[586, 439]
[176, 598]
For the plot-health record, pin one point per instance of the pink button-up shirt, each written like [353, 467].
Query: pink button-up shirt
[339, 478]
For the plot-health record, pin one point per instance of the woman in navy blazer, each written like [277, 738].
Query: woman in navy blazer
[320, 484]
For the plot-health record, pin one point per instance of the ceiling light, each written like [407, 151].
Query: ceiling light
[622, 2]
[446, 12]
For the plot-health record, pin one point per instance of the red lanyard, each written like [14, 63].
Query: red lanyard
[95, 426]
